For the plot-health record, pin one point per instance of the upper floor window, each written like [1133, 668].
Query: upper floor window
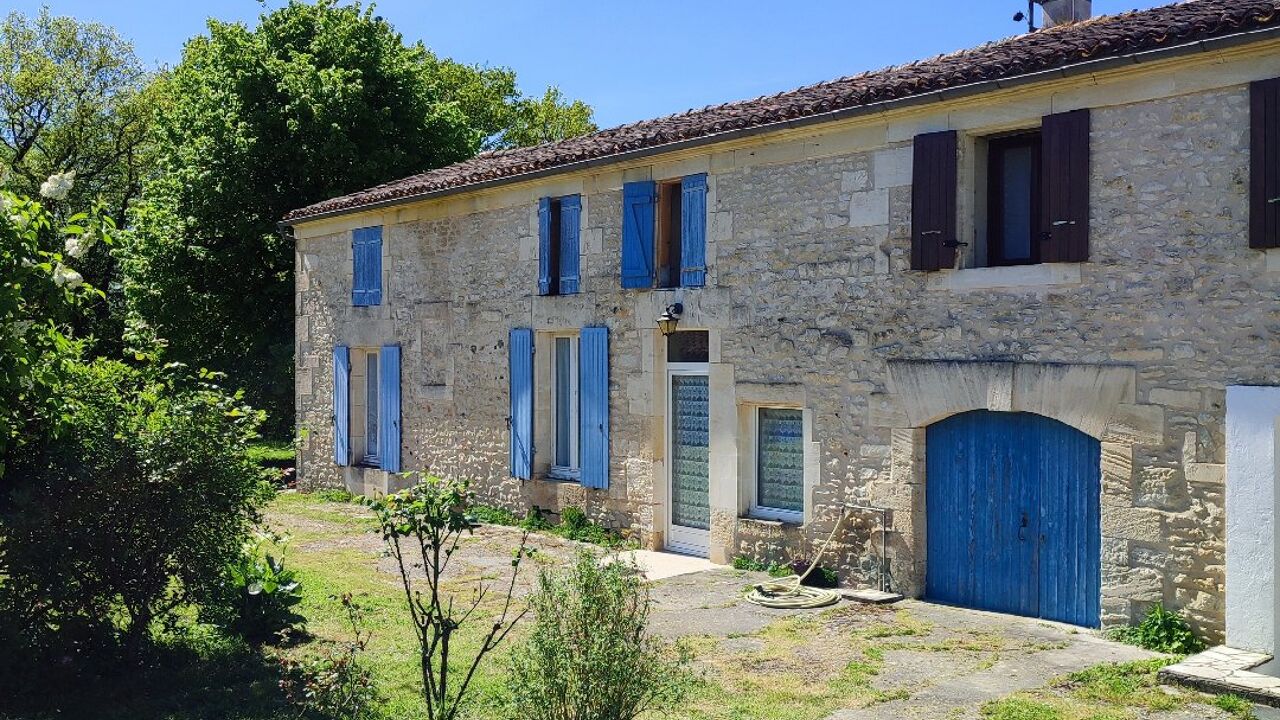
[664, 228]
[366, 266]
[1013, 200]
[1031, 192]
[558, 262]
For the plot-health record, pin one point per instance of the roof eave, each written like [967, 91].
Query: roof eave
[934, 96]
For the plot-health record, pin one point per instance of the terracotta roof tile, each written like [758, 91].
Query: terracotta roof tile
[1047, 49]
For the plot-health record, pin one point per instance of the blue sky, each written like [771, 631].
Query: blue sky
[636, 60]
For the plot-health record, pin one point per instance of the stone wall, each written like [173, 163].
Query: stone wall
[810, 297]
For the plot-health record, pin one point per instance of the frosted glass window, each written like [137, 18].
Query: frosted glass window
[690, 431]
[780, 460]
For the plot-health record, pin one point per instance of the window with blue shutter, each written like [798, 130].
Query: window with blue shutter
[366, 270]
[638, 200]
[546, 258]
[389, 408]
[570, 217]
[559, 221]
[593, 433]
[520, 375]
[693, 231]
[341, 409]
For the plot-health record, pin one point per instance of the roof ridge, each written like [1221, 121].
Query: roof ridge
[1047, 49]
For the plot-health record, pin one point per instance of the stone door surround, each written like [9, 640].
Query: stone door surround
[1098, 400]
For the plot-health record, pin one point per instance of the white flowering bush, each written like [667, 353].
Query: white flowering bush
[39, 289]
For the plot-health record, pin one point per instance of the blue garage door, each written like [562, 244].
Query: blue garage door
[1012, 502]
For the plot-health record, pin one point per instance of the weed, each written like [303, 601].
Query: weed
[333, 495]
[1236, 705]
[1131, 684]
[1161, 630]
[1016, 708]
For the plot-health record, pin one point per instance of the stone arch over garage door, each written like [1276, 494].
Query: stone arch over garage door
[1097, 400]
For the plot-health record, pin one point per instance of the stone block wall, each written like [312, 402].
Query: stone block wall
[810, 292]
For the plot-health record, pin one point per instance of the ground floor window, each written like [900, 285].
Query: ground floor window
[565, 406]
[364, 406]
[371, 409]
[779, 486]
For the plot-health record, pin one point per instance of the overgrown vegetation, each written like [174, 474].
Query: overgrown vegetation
[750, 564]
[589, 655]
[574, 525]
[260, 592]
[133, 508]
[335, 684]
[423, 527]
[1161, 630]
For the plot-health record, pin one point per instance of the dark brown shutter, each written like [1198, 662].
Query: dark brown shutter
[1264, 164]
[933, 202]
[1065, 184]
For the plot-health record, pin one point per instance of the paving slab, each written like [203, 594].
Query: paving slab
[1224, 669]
[662, 565]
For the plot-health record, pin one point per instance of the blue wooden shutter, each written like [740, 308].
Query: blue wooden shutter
[366, 271]
[389, 408]
[637, 234]
[693, 230]
[520, 347]
[341, 410]
[570, 216]
[544, 246]
[593, 435]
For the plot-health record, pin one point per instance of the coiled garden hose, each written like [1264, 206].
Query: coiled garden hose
[789, 592]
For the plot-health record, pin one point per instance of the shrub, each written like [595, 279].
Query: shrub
[750, 564]
[588, 656]
[422, 528]
[335, 684]
[334, 495]
[1162, 631]
[490, 515]
[134, 504]
[261, 592]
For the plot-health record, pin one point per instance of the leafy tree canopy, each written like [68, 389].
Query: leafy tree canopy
[75, 98]
[319, 100]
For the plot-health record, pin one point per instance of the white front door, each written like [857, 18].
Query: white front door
[688, 433]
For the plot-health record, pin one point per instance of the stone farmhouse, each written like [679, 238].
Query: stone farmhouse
[1021, 301]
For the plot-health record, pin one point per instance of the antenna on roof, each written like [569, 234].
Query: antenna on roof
[1029, 16]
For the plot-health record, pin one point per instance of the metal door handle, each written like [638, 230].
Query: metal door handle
[1022, 528]
[1058, 223]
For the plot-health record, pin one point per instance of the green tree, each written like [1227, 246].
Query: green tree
[494, 105]
[317, 101]
[74, 97]
[40, 295]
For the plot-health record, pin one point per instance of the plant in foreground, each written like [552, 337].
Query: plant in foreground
[263, 591]
[335, 684]
[589, 656]
[1162, 631]
[423, 527]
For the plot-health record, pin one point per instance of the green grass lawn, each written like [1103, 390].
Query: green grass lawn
[800, 667]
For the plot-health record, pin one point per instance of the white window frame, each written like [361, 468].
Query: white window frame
[566, 472]
[760, 511]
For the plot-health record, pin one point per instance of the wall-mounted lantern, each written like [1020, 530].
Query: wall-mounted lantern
[670, 318]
